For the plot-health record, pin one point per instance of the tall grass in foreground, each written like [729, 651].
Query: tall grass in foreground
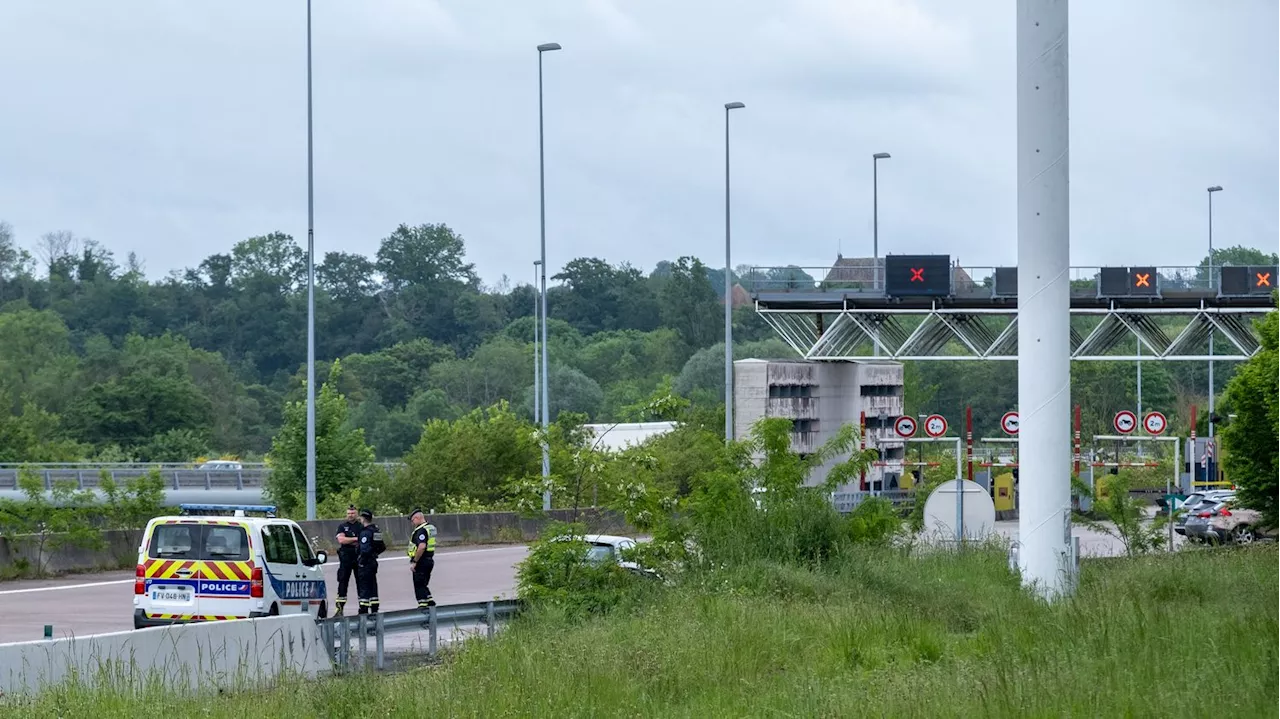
[876, 633]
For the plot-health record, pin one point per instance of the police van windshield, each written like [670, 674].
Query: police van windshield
[199, 541]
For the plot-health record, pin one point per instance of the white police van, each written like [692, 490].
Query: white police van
[214, 562]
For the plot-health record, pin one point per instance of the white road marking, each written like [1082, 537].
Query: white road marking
[90, 585]
[87, 585]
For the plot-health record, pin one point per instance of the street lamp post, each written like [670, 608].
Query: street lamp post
[1210, 473]
[875, 234]
[542, 202]
[311, 298]
[728, 288]
[875, 216]
[537, 297]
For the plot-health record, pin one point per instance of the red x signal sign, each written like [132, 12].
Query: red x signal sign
[1141, 280]
[917, 274]
[1264, 279]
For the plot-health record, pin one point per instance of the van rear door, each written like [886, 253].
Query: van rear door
[170, 571]
[224, 589]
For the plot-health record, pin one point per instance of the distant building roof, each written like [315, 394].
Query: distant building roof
[852, 270]
[617, 437]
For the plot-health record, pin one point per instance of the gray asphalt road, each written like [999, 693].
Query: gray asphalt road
[99, 603]
[1092, 543]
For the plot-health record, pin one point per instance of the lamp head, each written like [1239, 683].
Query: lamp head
[733, 106]
[1216, 188]
[548, 46]
[880, 156]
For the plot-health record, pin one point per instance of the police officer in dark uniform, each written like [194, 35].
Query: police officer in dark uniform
[422, 550]
[371, 545]
[348, 548]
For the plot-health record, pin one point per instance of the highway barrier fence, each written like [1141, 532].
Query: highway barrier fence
[336, 632]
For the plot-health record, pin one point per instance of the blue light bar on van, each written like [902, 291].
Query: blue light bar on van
[228, 510]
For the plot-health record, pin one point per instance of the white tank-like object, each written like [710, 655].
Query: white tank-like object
[940, 511]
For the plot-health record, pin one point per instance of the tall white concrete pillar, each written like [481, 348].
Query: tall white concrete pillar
[1044, 329]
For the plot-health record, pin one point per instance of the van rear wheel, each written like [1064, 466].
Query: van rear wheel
[322, 612]
[275, 610]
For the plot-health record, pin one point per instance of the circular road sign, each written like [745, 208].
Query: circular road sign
[905, 426]
[1125, 421]
[1009, 423]
[1155, 423]
[935, 425]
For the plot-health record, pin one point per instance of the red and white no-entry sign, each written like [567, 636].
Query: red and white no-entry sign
[905, 426]
[1155, 423]
[935, 425]
[1125, 421]
[1009, 423]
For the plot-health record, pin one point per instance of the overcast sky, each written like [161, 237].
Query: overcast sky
[174, 128]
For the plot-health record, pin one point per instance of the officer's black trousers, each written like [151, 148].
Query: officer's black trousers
[421, 578]
[345, 567]
[367, 586]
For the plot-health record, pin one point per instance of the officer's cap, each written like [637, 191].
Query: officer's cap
[366, 514]
[415, 511]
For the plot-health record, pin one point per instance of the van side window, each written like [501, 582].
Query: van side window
[277, 543]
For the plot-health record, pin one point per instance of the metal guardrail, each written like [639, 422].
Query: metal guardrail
[336, 632]
[846, 502]
[85, 475]
[88, 477]
[145, 466]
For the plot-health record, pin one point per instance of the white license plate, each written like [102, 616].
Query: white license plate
[172, 594]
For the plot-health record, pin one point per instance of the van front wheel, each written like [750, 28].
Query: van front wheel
[322, 612]
[275, 610]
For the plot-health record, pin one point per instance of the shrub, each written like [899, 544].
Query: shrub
[557, 572]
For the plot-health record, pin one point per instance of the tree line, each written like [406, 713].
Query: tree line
[97, 362]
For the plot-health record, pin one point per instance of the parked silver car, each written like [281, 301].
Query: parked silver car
[1199, 502]
[1198, 527]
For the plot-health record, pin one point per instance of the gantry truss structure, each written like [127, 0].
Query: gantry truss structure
[837, 321]
[939, 333]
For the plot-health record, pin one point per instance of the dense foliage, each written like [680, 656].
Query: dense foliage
[729, 511]
[1250, 438]
[99, 362]
[43, 523]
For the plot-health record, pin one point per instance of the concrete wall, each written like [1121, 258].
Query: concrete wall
[835, 399]
[480, 528]
[20, 554]
[121, 548]
[199, 657]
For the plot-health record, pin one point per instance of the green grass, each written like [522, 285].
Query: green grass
[876, 634]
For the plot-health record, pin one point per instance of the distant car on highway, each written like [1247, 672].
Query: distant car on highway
[221, 465]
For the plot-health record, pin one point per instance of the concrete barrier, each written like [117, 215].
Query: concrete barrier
[120, 549]
[199, 657]
[477, 528]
